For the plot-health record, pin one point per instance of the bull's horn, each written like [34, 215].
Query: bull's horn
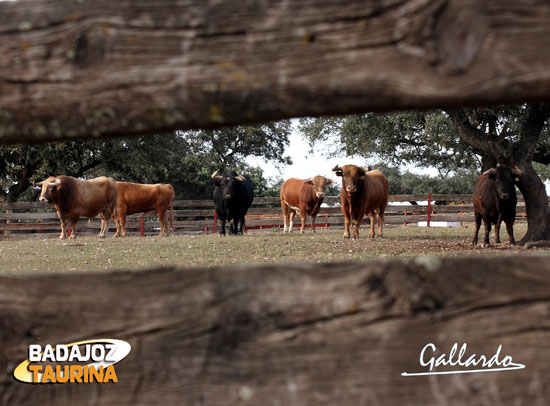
[517, 171]
[239, 178]
[491, 171]
[215, 176]
[308, 180]
[55, 183]
[336, 168]
[367, 168]
[38, 183]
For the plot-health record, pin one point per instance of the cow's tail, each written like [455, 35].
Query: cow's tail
[172, 210]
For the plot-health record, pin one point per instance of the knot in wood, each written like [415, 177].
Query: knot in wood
[90, 48]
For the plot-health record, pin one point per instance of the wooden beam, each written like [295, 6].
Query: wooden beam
[333, 334]
[73, 69]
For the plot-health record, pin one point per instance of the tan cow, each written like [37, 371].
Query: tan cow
[363, 191]
[137, 198]
[74, 198]
[302, 196]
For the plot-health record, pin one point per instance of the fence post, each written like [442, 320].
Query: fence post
[8, 221]
[141, 227]
[215, 222]
[429, 208]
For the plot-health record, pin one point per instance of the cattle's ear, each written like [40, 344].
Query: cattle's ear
[337, 170]
[490, 173]
[516, 171]
[308, 181]
[331, 182]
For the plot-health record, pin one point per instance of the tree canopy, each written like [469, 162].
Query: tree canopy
[184, 159]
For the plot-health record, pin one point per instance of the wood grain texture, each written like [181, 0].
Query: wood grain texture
[72, 69]
[315, 334]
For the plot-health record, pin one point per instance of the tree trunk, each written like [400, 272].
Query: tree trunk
[536, 202]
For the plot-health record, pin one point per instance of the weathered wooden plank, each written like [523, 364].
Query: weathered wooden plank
[311, 334]
[74, 69]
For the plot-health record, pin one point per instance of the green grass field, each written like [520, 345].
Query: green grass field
[90, 253]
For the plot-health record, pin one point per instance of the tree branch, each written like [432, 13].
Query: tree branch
[468, 133]
[532, 126]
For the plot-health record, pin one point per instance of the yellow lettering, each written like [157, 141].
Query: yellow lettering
[76, 373]
[110, 374]
[48, 375]
[61, 376]
[35, 369]
[95, 374]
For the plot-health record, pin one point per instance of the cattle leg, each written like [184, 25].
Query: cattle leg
[372, 216]
[357, 224]
[303, 219]
[222, 228]
[241, 225]
[291, 223]
[286, 215]
[232, 227]
[103, 226]
[477, 217]
[497, 230]
[347, 222]
[510, 230]
[313, 223]
[163, 223]
[487, 225]
[121, 222]
[63, 234]
[73, 222]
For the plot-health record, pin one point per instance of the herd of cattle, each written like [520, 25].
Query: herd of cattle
[364, 191]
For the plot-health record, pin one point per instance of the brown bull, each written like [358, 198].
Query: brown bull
[74, 198]
[137, 198]
[363, 191]
[302, 197]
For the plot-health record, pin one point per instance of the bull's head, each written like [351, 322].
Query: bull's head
[51, 188]
[319, 183]
[227, 182]
[504, 178]
[351, 175]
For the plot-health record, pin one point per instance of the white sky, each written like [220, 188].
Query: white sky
[306, 165]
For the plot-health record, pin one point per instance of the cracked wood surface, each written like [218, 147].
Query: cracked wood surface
[302, 334]
[72, 69]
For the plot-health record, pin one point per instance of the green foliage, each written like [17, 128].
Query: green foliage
[426, 139]
[184, 159]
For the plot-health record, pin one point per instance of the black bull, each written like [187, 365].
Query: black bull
[233, 195]
[495, 201]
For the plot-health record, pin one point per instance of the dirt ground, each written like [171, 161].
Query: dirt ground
[265, 246]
